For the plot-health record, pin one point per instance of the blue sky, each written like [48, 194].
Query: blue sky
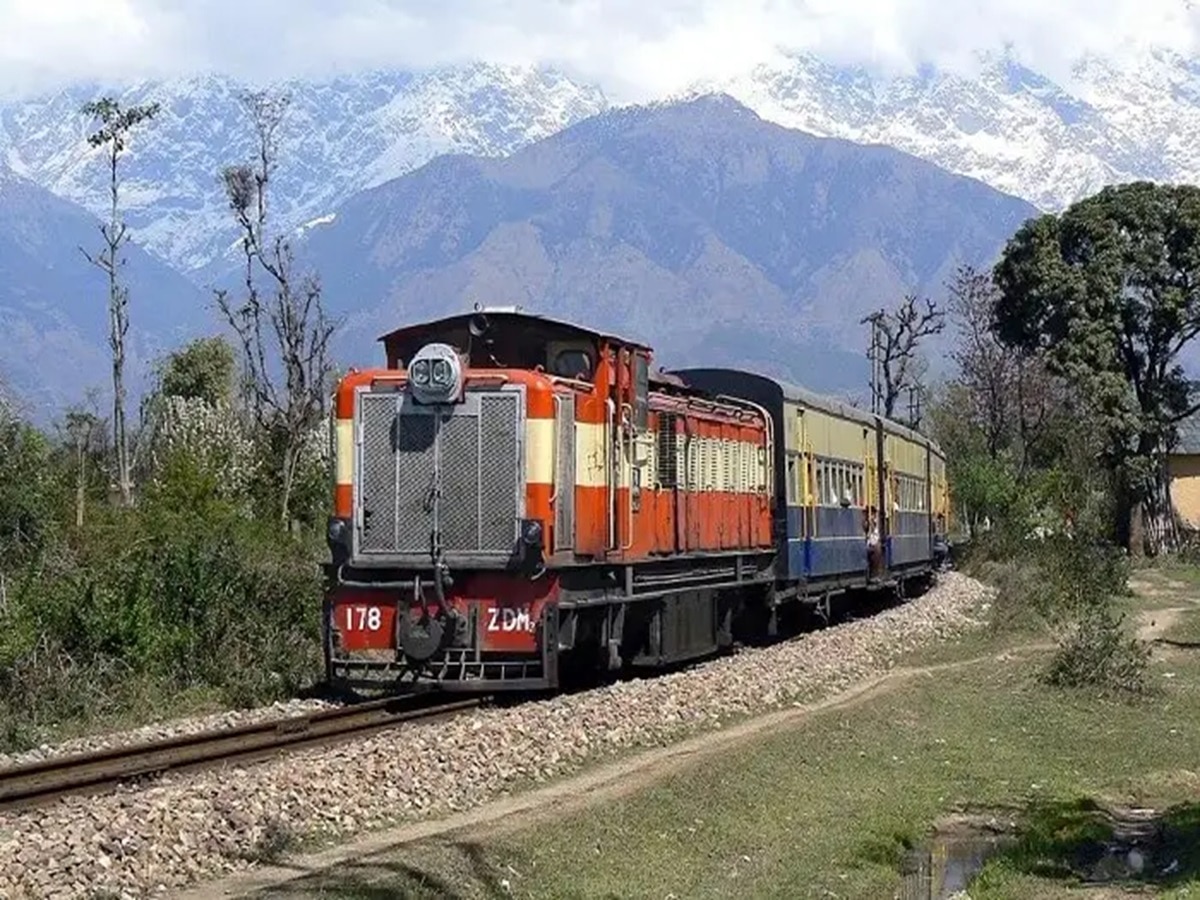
[633, 48]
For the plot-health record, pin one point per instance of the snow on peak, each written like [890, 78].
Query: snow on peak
[343, 134]
[1004, 124]
[1049, 142]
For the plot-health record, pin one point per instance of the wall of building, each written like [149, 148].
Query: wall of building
[1185, 487]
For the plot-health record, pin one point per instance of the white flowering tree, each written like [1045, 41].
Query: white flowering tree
[213, 437]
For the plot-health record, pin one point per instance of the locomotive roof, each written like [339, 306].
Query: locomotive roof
[803, 395]
[511, 315]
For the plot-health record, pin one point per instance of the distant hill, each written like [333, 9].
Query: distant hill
[698, 227]
[53, 302]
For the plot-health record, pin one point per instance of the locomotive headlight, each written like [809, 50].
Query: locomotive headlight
[440, 372]
[420, 372]
[436, 374]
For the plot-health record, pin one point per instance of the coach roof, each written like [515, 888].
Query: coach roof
[704, 378]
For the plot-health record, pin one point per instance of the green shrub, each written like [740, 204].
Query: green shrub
[1094, 652]
[187, 594]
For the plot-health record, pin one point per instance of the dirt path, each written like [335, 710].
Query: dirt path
[597, 786]
[1154, 623]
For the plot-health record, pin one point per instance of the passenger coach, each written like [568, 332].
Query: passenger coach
[860, 500]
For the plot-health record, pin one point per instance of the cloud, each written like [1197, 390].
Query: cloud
[633, 48]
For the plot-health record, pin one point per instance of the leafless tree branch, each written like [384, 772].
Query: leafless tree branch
[282, 329]
[116, 124]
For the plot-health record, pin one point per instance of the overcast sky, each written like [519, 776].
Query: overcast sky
[633, 48]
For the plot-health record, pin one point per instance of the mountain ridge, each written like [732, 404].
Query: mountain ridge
[341, 135]
[1006, 125]
[698, 227]
[53, 302]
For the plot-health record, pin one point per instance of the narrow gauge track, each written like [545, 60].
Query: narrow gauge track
[30, 784]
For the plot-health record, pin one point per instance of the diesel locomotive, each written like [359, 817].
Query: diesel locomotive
[518, 498]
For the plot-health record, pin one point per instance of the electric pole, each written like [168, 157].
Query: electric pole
[873, 356]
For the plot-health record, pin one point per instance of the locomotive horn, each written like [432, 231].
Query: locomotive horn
[478, 325]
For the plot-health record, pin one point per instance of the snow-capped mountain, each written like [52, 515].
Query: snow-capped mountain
[1048, 143]
[1005, 125]
[342, 135]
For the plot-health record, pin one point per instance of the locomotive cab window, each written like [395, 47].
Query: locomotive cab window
[572, 364]
[641, 391]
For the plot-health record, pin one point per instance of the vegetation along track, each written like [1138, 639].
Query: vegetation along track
[38, 782]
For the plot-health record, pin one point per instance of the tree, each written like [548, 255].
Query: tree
[116, 124]
[1008, 391]
[283, 329]
[81, 425]
[895, 339]
[204, 369]
[1110, 291]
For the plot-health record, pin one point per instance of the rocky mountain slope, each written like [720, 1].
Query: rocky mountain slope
[53, 302]
[342, 135]
[698, 227]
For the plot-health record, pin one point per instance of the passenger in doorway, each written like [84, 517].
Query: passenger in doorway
[871, 525]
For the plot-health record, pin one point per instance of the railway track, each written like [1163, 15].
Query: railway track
[30, 784]
[33, 783]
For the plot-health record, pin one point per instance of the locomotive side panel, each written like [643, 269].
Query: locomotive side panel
[698, 480]
[593, 461]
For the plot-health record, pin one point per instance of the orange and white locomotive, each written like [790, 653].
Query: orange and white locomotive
[512, 498]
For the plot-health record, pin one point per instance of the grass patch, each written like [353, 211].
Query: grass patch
[1186, 629]
[830, 807]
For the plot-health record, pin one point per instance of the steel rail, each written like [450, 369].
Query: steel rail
[33, 783]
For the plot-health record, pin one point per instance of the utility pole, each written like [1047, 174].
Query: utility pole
[914, 407]
[873, 352]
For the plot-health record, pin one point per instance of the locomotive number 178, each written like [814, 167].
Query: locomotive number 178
[365, 626]
[361, 618]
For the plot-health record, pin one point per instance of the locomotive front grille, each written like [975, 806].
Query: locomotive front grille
[448, 476]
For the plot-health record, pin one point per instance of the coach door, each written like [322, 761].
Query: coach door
[870, 495]
[883, 493]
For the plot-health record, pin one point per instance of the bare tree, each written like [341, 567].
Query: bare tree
[81, 425]
[283, 329]
[1011, 392]
[115, 126]
[987, 368]
[895, 339]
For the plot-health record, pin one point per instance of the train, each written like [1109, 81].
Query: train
[520, 500]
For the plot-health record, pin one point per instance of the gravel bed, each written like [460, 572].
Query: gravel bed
[147, 841]
[157, 731]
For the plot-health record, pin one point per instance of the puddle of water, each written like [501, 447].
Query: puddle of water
[1091, 845]
[945, 867]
